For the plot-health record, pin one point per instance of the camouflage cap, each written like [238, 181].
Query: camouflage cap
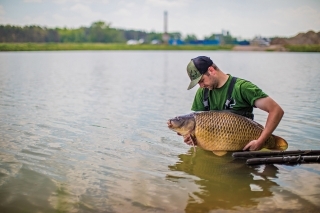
[196, 68]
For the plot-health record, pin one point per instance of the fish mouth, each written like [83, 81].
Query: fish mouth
[169, 124]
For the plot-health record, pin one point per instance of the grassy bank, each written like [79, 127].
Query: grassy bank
[112, 46]
[101, 46]
[303, 48]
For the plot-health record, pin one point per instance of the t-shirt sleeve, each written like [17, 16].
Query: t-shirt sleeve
[198, 101]
[250, 92]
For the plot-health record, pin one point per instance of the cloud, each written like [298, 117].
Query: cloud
[123, 12]
[301, 15]
[79, 14]
[2, 11]
[39, 20]
[32, 1]
[60, 1]
[126, 8]
[271, 22]
[85, 11]
[58, 17]
[168, 3]
[3, 18]
[287, 21]
[136, 16]
[80, 8]
[79, 1]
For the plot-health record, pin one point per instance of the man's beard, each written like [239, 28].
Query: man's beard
[214, 85]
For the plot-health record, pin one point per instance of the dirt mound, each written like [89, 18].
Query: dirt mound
[275, 47]
[310, 37]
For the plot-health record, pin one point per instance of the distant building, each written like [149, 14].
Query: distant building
[155, 41]
[134, 42]
[175, 42]
[260, 41]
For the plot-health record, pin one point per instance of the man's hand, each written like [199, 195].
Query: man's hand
[253, 146]
[188, 139]
[275, 114]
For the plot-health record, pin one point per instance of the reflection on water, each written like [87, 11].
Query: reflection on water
[37, 190]
[224, 183]
[222, 180]
[82, 131]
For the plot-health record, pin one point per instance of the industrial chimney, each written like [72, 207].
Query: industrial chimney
[165, 36]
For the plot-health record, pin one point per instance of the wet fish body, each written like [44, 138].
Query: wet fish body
[223, 131]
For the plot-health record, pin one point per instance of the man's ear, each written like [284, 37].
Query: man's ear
[211, 70]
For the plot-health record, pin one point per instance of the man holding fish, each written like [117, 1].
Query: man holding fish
[220, 91]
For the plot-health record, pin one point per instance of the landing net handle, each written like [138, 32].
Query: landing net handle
[284, 160]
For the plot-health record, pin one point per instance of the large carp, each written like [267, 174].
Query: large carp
[221, 131]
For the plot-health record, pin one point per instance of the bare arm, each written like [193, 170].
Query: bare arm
[274, 117]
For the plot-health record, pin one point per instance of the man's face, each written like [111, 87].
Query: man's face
[208, 80]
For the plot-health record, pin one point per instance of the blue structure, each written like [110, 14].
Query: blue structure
[205, 42]
[175, 42]
[195, 42]
[243, 43]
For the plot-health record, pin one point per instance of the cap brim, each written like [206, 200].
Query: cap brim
[194, 82]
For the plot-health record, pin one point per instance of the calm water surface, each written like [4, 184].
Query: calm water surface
[86, 132]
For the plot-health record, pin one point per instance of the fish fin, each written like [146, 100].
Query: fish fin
[219, 153]
[265, 149]
[280, 143]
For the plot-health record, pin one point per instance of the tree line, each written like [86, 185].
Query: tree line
[98, 32]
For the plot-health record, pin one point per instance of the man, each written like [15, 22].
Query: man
[244, 96]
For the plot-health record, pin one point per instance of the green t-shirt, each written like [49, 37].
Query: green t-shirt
[244, 95]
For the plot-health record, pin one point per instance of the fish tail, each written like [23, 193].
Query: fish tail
[280, 143]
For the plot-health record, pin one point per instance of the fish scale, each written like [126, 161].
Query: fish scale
[225, 131]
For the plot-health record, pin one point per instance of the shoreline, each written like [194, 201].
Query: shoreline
[102, 46]
[116, 46]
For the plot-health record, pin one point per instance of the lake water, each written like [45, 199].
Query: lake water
[85, 131]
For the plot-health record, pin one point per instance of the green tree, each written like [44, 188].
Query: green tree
[153, 36]
[102, 32]
[98, 32]
[31, 33]
[223, 38]
[190, 37]
[72, 35]
[175, 35]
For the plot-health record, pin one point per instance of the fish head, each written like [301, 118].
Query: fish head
[184, 124]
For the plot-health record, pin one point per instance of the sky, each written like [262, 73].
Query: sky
[244, 19]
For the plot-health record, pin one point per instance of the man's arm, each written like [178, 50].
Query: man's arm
[274, 117]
